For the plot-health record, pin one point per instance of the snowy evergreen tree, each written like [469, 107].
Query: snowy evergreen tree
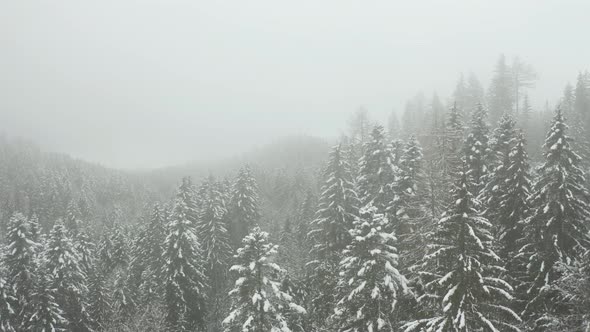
[79, 236]
[397, 150]
[259, 305]
[99, 300]
[582, 96]
[369, 282]
[67, 278]
[573, 289]
[338, 207]
[513, 208]
[123, 299]
[298, 291]
[477, 150]
[447, 159]
[244, 205]
[212, 231]
[215, 241]
[580, 118]
[184, 279]
[188, 195]
[322, 283]
[461, 273]
[147, 259]
[46, 315]
[495, 180]
[35, 231]
[525, 115]
[120, 249]
[377, 173]
[105, 253]
[85, 248]
[7, 307]
[508, 208]
[72, 222]
[557, 229]
[500, 94]
[411, 214]
[304, 218]
[20, 262]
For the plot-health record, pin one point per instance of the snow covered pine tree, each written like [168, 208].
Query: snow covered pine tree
[184, 279]
[259, 305]
[369, 280]
[244, 205]
[461, 273]
[67, 278]
[557, 230]
[20, 262]
[338, 208]
[6, 307]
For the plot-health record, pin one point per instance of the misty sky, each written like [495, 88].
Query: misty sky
[141, 84]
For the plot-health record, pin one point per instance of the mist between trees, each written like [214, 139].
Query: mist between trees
[465, 215]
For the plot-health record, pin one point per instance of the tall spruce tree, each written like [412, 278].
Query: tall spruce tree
[500, 94]
[120, 249]
[215, 242]
[580, 116]
[557, 230]
[244, 205]
[369, 280]
[495, 180]
[212, 230]
[259, 304]
[147, 260]
[338, 208]
[67, 278]
[100, 305]
[183, 272]
[411, 215]
[461, 273]
[513, 204]
[477, 150]
[448, 154]
[188, 195]
[46, 315]
[377, 173]
[20, 262]
[7, 304]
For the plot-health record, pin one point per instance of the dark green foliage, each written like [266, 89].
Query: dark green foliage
[20, 262]
[183, 272]
[338, 207]
[7, 303]
[461, 273]
[557, 229]
[46, 315]
[369, 282]
[377, 173]
[67, 278]
[477, 150]
[244, 205]
[259, 304]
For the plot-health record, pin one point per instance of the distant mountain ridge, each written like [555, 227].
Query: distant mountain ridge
[47, 184]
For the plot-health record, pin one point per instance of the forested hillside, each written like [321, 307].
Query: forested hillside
[471, 214]
[49, 186]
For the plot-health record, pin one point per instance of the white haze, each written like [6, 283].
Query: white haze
[141, 84]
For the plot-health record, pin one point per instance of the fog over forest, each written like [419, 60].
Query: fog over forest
[148, 85]
[305, 166]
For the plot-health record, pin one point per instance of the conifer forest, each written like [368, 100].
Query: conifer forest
[464, 211]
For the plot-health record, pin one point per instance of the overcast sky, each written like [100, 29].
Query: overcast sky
[141, 84]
